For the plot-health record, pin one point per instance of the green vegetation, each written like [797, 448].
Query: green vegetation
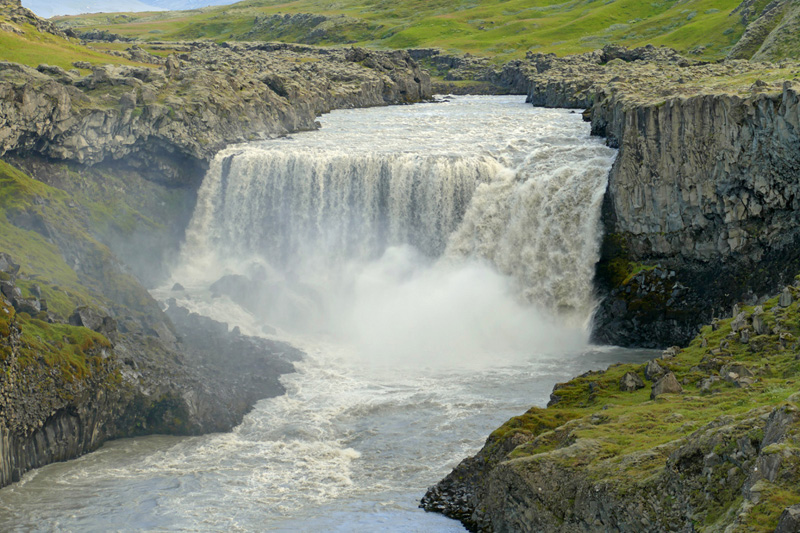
[502, 28]
[39, 258]
[632, 436]
[34, 48]
[75, 352]
[36, 218]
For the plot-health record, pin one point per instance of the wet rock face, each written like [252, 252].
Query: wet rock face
[175, 116]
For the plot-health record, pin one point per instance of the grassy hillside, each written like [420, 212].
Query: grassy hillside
[22, 42]
[504, 28]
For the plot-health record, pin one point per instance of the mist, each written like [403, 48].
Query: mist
[409, 311]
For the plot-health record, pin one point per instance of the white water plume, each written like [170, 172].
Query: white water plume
[430, 233]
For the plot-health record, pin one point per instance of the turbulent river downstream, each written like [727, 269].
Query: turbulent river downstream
[434, 262]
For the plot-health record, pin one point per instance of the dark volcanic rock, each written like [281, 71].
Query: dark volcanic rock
[789, 521]
[244, 369]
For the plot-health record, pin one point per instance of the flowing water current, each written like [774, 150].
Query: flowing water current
[435, 263]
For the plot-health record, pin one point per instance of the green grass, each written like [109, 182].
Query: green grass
[502, 28]
[71, 216]
[39, 258]
[34, 48]
[74, 352]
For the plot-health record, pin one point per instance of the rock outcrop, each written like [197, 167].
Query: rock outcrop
[176, 116]
[715, 455]
[62, 398]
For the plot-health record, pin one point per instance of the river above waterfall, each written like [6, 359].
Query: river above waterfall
[435, 263]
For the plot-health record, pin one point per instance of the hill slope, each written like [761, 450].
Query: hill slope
[47, 8]
[502, 28]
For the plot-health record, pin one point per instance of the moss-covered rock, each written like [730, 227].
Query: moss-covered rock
[723, 452]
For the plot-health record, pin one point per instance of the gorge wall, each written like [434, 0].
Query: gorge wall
[701, 209]
[705, 186]
[701, 217]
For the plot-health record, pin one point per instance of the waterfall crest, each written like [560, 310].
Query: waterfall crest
[362, 216]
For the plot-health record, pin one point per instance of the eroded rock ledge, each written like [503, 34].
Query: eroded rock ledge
[176, 113]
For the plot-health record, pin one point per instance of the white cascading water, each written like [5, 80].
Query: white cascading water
[434, 261]
[350, 220]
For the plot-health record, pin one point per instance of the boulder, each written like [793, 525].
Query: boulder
[759, 326]
[789, 521]
[666, 385]
[653, 370]
[89, 318]
[10, 291]
[785, 299]
[630, 382]
[744, 336]
[705, 384]
[8, 265]
[737, 374]
[27, 305]
[670, 352]
[739, 321]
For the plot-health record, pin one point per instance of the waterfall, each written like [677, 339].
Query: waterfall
[375, 216]
[291, 204]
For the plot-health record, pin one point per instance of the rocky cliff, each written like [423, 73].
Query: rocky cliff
[703, 438]
[700, 211]
[174, 114]
[700, 215]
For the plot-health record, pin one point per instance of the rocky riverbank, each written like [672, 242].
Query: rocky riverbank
[101, 162]
[704, 438]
